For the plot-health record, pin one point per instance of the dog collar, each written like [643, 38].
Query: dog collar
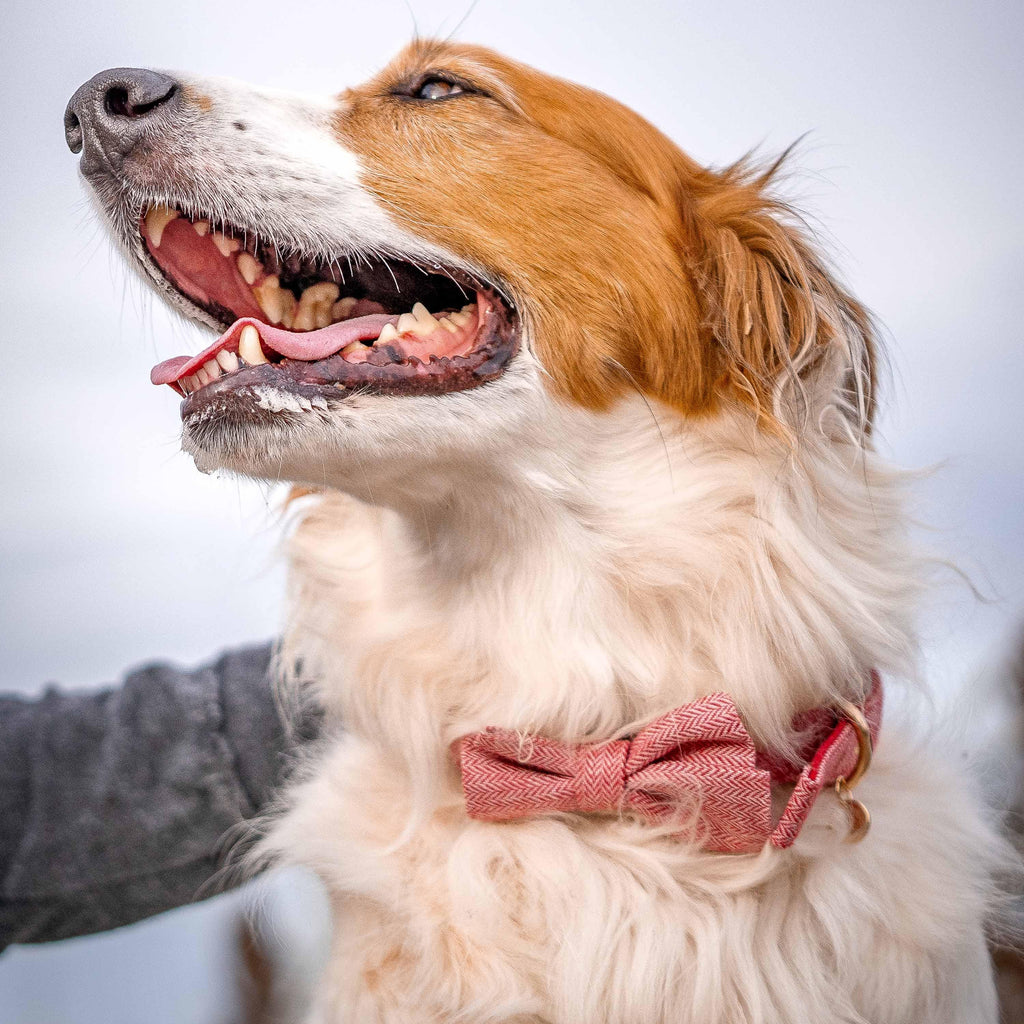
[697, 763]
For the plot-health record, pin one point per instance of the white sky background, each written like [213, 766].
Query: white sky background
[114, 550]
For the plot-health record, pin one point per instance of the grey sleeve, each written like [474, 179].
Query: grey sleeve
[114, 805]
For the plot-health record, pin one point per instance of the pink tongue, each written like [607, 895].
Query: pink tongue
[307, 346]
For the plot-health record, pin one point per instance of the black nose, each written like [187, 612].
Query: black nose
[113, 110]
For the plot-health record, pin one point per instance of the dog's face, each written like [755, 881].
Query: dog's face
[432, 261]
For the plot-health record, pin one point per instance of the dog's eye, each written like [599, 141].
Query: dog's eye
[437, 89]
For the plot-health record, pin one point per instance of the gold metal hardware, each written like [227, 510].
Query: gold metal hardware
[860, 817]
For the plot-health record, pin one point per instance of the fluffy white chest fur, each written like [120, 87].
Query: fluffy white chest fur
[572, 591]
[588, 428]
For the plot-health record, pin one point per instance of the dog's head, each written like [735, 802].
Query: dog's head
[434, 260]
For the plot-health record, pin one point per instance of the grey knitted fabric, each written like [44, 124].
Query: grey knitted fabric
[114, 805]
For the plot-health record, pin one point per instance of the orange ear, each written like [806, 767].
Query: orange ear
[772, 311]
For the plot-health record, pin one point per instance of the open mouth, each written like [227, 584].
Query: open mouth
[321, 328]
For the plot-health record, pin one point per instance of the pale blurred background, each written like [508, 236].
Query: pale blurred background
[113, 550]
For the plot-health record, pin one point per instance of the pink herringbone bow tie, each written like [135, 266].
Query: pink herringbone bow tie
[698, 757]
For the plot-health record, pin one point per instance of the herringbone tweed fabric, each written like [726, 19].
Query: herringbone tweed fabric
[697, 764]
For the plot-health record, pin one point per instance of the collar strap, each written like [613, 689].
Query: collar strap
[697, 763]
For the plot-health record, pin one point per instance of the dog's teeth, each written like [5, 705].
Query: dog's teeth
[420, 321]
[278, 303]
[202, 377]
[390, 333]
[156, 220]
[356, 346]
[425, 320]
[201, 227]
[190, 383]
[249, 347]
[448, 325]
[465, 315]
[342, 309]
[228, 361]
[321, 293]
[227, 246]
[249, 268]
[269, 296]
[212, 368]
[314, 308]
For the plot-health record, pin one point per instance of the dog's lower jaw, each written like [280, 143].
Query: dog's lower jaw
[570, 591]
[382, 449]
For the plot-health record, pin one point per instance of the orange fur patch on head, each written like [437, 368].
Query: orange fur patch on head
[198, 99]
[633, 266]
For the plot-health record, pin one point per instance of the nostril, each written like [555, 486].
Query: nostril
[120, 101]
[73, 132]
[116, 102]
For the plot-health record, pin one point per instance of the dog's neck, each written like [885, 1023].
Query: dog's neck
[576, 589]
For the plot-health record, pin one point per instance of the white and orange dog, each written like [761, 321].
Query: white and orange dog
[588, 427]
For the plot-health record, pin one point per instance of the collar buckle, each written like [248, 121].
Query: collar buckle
[859, 815]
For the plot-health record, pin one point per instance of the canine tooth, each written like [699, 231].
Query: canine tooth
[355, 346]
[249, 268]
[201, 227]
[389, 333]
[227, 246]
[249, 347]
[407, 324]
[342, 309]
[156, 220]
[228, 361]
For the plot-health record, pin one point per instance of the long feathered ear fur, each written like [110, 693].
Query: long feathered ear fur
[791, 342]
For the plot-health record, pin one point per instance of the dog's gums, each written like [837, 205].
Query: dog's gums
[314, 327]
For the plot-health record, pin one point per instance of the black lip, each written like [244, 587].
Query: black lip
[335, 379]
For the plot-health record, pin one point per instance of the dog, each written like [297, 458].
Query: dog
[584, 434]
